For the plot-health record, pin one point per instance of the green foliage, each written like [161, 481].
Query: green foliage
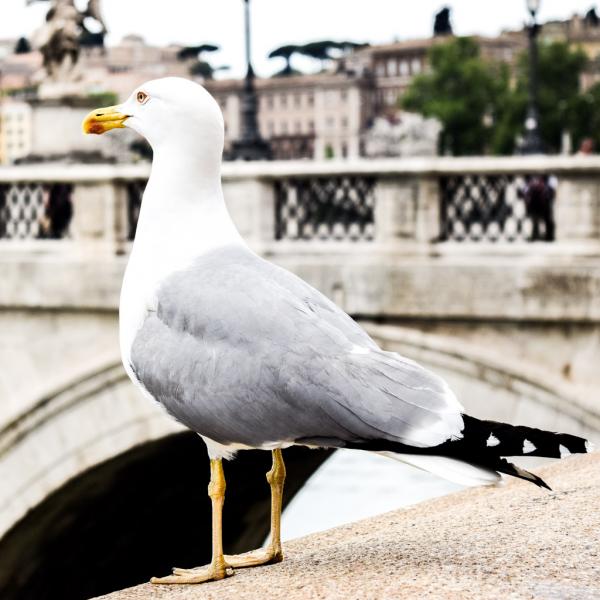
[482, 112]
[586, 117]
[322, 51]
[195, 52]
[104, 98]
[559, 98]
[197, 65]
[463, 91]
[285, 52]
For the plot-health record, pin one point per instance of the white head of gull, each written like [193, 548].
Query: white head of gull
[248, 355]
[183, 213]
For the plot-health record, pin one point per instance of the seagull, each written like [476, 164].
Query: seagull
[249, 356]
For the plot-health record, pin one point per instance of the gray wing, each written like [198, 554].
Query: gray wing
[244, 352]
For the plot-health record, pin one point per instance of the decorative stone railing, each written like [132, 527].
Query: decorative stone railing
[399, 202]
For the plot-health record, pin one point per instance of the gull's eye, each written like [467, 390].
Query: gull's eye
[142, 97]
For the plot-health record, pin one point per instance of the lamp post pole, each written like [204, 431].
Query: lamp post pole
[532, 141]
[250, 145]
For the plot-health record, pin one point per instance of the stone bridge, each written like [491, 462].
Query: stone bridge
[435, 257]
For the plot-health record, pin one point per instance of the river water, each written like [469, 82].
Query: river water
[353, 485]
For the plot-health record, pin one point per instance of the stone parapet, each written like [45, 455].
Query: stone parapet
[512, 541]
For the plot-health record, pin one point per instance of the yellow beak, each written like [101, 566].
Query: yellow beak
[103, 119]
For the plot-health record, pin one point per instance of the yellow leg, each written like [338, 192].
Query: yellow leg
[273, 552]
[217, 569]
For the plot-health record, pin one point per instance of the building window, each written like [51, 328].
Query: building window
[311, 99]
[284, 128]
[344, 150]
[298, 127]
[297, 100]
[271, 128]
[380, 70]
[330, 122]
[311, 126]
[269, 101]
[392, 67]
[283, 100]
[345, 123]
[344, 95]
[404, 68]
[416, 66]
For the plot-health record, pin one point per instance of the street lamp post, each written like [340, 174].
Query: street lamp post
[250, 145]
[532, 141]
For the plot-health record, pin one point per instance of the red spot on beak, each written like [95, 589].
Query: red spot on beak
[96, 128]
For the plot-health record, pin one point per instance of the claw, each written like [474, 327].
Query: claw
[254, 559]
[196, 575]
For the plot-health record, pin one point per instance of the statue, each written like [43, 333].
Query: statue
[591, 18]
[442, 25]
[62, 35]
[403, 134]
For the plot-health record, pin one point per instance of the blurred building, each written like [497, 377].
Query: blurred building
[116, 69]
[395, 65]
[305, 116]
[15, 130]
[580, 31]
[18, 71]
[120, 69]
[327, 115]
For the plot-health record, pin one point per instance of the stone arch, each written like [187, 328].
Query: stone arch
[87, 421]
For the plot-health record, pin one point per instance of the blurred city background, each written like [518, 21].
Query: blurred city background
[430, 168]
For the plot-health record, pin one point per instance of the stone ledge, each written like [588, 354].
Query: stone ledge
[513, 541]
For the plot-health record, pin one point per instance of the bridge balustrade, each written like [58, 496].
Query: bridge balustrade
[382, 202]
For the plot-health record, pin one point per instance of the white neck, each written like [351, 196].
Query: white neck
[183, 216]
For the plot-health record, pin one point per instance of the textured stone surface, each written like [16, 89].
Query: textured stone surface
[513, 541]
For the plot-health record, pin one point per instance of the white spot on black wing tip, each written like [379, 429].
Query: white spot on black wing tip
[492, 440]
[528, 447]
[589, 447]
[564, 451]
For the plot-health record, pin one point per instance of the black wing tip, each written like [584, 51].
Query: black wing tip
[509, 468]
[541, 483]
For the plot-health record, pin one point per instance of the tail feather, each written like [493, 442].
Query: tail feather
[485, 444]
[501, 439]
[503, 466]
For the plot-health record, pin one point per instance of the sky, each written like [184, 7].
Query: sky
[278, 22]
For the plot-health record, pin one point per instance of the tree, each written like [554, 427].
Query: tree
[195, 52]
[463, 91]
[327, 50]
[201, 68]
[319, 50]
[198, 66]
[586, 117]
[559, 98]
[286, 52]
